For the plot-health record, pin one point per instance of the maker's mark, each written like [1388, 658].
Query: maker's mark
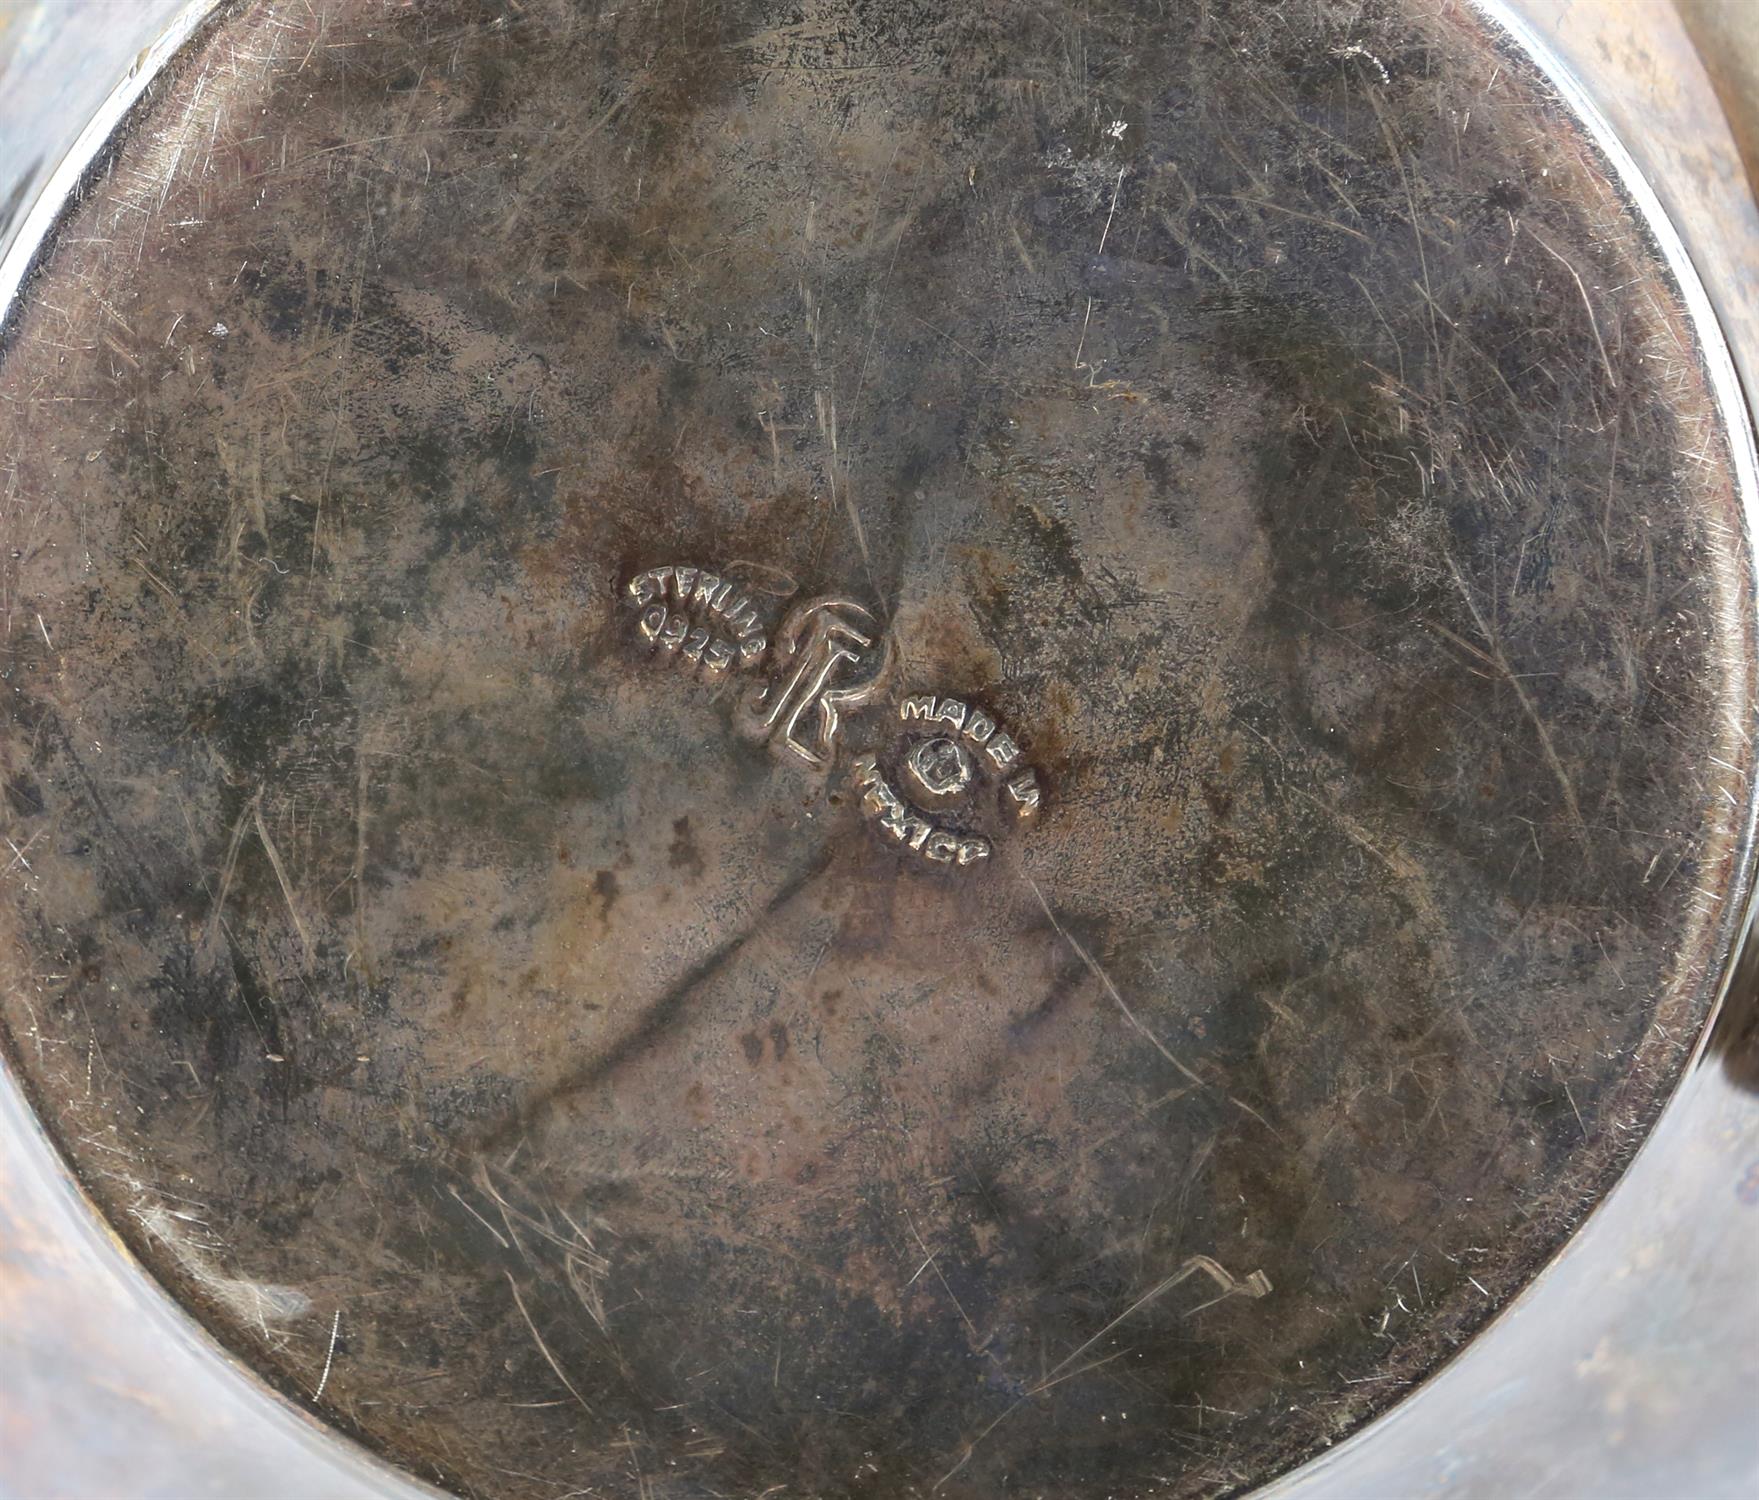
[940, 769]
[833, 659]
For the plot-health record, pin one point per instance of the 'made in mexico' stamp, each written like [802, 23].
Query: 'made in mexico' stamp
[963, 734]
[945, 781]
[936, 792]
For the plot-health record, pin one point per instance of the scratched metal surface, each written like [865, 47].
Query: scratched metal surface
[1278, 423]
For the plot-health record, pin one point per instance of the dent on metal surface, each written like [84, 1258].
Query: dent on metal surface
[1278, 427]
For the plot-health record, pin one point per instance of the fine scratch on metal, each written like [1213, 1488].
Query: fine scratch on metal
[329, 1356]
[1528, 706]
[1131, 1016]
[1255, 1286]
[543, 1348]
[280, 869]
[1593, 320]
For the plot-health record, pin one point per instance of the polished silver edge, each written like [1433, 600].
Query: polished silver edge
[61, 187]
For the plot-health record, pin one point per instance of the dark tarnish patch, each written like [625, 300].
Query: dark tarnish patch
[683, 853]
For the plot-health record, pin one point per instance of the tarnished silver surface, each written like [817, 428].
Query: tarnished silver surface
[1112, 914]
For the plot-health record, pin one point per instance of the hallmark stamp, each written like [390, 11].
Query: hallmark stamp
[905, 825]
[940, 768]
[698, 616]
[948, 753]
[966, 736]
[833, 660]
[948, 778]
